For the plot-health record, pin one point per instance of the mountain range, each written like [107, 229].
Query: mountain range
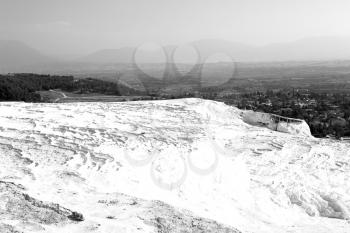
[17, 55]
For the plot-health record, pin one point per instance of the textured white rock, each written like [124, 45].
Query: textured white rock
[192, 154]
[299, 127]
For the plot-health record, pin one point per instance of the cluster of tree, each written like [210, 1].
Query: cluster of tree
[327, 114]
[90, 85]
[24, 87]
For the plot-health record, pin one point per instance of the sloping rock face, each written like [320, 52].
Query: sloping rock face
[17, 206]
[159, 216]
[25, 214]
[297, 127]
[165, 166]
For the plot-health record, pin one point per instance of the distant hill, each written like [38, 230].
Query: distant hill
[159, 55]
[317, 48]
[16, 55]
[122, 55]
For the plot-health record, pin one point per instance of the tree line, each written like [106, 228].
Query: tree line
[24, 87]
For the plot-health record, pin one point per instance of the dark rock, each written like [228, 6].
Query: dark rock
[75, 216]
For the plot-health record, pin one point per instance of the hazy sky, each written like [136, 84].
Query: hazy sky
[83, 26]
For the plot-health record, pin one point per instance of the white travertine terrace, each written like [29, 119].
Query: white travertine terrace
[142, 166]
